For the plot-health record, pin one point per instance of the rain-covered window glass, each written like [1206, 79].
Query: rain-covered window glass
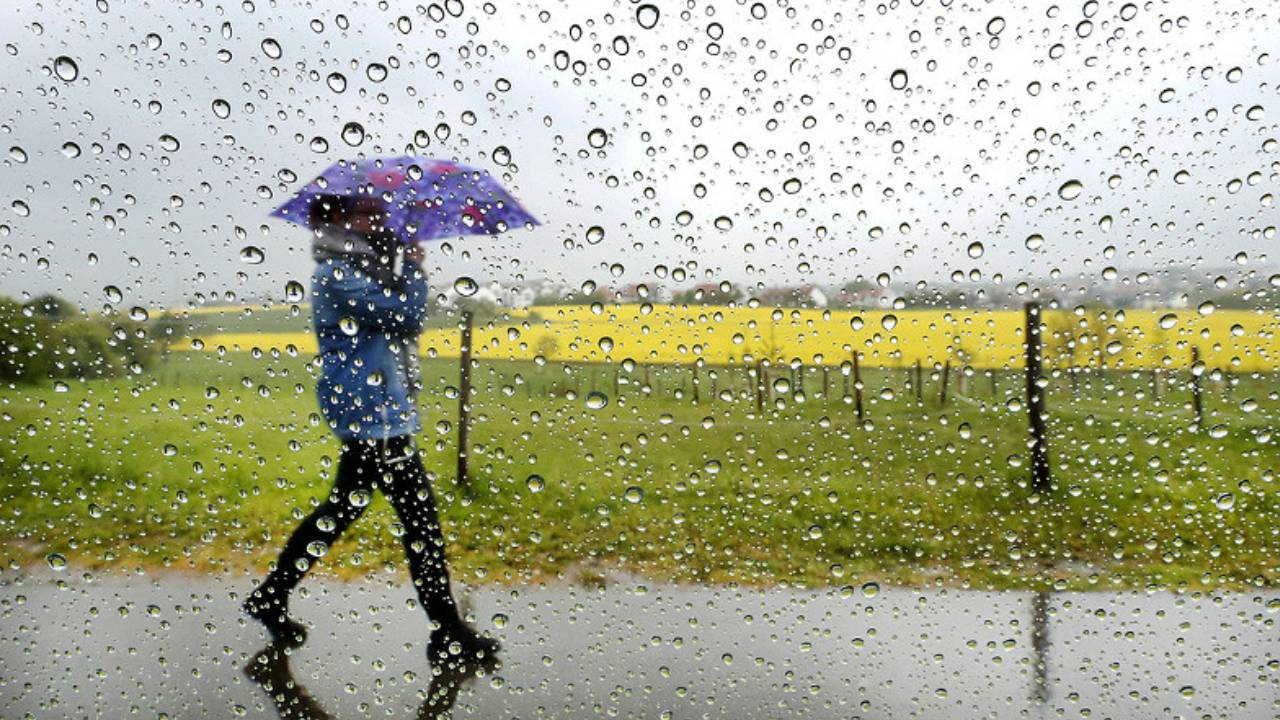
[697, 358]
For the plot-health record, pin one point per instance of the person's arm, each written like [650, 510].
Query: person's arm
[399, 311]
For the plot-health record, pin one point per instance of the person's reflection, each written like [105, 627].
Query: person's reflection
[270, 669]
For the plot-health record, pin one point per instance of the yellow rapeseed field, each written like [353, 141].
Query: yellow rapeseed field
[1238, 340]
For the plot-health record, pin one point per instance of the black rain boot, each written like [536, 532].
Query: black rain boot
[456, 643]
[272, 611]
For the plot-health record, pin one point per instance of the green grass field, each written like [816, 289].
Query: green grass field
[207, 462]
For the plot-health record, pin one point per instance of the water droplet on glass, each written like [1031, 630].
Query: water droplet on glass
[169, 143]
[272, 49]
[898, 79]
[465, 286]
[65, 68]
[995, 25]
[56, 561]
[889, 321]
[70, 149]
[870, 590]
[1035, 241]
[596, 400]
[1070, 190]
[595, 234]
[336, 81]
[723, 223]
[535, 483]
[975, 249]
[502, 155]
[252, 255]
[221, 108]
[377, 72]
[1168, 320]
[294, 291]
[348, 325]
[353, 133]
[647, 16]
[597, 138]
[113, 293]
[633, 494]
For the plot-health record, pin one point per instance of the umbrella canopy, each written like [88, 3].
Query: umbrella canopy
[426, 199]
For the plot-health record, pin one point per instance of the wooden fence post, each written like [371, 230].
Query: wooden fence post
[919, 382]
[946, 374]
[857, 384]
[1197, 402]
[464, 399]
[760, 382]
[1040, 474]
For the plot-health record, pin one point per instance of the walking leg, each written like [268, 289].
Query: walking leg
[357, 475]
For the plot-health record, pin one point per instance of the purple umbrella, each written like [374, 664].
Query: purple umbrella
[426, 198]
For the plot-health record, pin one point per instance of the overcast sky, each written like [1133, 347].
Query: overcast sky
[761, 143]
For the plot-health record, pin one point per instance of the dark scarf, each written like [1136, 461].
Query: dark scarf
[373, 255]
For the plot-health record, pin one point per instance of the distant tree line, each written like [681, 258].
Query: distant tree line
[48, 338]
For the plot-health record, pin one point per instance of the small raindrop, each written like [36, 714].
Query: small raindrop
[113, 293]
[65, 68]
[595, 234]
[633, 494]
[606, 343]
[169, 143]
[70, 149]
[597, 138]
[1070, 190]
[596, 400]
[353, 134]
[535, 483]
[348, 325]
[465, 286]
[502, 155]
[377, 72]
[56, 561]
[995, 26]
[252, 255]
[1168, 320]
[976, 249]
[294, 291]
[1035, 241]
[723, 223]
[272, 49]
[870, 590]
[647, 16]
[889, 321]
[221, 108]
[898, 79]
[336, 81]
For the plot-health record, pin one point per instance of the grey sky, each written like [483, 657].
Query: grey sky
[899, 181]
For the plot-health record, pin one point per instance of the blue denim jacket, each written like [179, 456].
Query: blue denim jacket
[368, 340]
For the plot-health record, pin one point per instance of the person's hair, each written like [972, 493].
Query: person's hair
[334, 209]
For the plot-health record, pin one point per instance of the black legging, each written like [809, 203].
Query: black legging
[393, 466]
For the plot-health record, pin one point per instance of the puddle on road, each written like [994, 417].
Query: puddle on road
[177, 647]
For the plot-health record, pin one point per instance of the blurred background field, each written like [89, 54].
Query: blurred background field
[1099, 338]
[204, 460]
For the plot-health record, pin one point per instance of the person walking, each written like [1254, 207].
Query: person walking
[368, 299]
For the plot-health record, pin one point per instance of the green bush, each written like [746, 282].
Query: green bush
[38, 344]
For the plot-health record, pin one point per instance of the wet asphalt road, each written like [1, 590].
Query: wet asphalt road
[173, 646]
